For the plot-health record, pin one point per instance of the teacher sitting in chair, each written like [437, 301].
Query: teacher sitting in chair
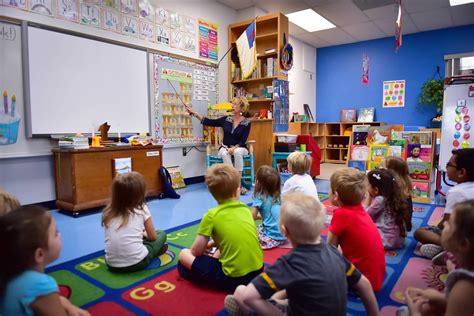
[236, 131]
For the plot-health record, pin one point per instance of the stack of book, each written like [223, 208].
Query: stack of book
[74, 143]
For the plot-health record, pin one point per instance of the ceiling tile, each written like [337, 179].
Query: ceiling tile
[313, 40]
[313, 3]
[388, 11]
[371, 4]
[283, 6]
[424, 5]
[336, 36]
[388, 25]
[293, 29]
[433, 19]
[341, 12]
[237, 5]
[463, 14]
[364, 31]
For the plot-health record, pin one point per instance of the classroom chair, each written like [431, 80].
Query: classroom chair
[248, 176]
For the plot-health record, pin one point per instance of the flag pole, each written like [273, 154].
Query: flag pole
[231, 46]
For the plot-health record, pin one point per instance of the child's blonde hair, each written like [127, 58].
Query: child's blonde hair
[303, 217]
[268, 183]
[350, 185]
[222, 181]
[400, 170]
[8, 202]
[299, 162]
[128, 194]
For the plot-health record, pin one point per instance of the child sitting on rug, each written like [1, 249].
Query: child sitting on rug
[299, 164]
[458, 238]
[8, 203]
[131, 241]
[353, 229]
[238, 258]
[33, 243]
[399, 168]
[460, 169]
[387, 208]
[267, 204]
[314, 276]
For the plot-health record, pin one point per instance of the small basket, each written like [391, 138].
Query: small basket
[9, 132]
[286, 138]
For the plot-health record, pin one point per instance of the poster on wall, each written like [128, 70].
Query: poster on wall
[162, 17]
[365, 69]
[41, 6]
[394, 94]
[176, 75]
[110, 20]
[129, 25]
[147, 31]
[146, 10]
[208, 39]
[19, 4]
[111, 4]
[67, 10]
[162, 35]
[90, 15]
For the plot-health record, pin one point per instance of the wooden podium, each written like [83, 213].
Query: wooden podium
[84, 176]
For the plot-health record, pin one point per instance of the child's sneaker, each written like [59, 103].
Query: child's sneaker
[231, 306]
[430, 250]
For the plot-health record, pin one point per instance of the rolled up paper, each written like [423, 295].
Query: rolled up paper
[5, 101]
[13, 105]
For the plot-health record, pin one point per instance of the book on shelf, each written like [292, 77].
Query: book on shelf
[418, 153]
[270, 51]
[420, 189]
[398, 148]
[378, 152]
[419, 170]
[360, 165]
[74, 143]
[372, 165]
[359, 152]
[366, 115]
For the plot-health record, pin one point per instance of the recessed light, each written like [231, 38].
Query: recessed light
[310, 20]
[459, 2]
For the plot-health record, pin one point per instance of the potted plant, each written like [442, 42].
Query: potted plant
[432, 93]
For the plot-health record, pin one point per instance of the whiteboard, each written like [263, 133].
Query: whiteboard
[76, 84]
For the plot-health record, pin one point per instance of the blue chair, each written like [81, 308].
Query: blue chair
[248, 175]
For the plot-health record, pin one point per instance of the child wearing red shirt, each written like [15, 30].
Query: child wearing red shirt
[353, 229]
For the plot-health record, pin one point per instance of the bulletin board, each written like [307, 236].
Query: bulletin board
[176, 81]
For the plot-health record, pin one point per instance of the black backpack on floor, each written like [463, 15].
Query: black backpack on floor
[168, 190]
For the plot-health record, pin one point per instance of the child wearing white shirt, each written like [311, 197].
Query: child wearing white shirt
[299, 164]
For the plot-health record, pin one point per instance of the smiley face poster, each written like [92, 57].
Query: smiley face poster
[394, 94]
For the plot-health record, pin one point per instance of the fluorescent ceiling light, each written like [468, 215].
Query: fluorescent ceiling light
[310, 20]
[459, 2]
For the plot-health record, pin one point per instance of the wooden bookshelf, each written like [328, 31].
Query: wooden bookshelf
[330, 137]
[269, 40]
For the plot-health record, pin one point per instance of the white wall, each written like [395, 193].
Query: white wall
[302, 82]
[31, 179]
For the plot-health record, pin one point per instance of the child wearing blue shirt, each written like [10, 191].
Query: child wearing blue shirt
[267, 207]
[33, 243]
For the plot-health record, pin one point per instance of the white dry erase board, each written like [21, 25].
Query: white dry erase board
[13, 142]
[76, 84]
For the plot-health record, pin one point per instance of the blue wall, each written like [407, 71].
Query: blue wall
[339, 72]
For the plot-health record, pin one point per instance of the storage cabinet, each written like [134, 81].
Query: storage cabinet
[332, 138]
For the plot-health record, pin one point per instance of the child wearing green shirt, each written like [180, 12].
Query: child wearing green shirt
[238, 258]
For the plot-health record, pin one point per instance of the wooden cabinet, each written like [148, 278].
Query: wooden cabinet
[332, 138]
[83, 177]
[262, 132]
[270, 30]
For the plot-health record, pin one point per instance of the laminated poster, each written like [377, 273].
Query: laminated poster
[146, 10]
[90, 15]
[394, 94]
[111, 20]
[111, 4]
[208, 38]
[41, 6]
[93, 2]
[177, 39]
[19, 4]
[129, 7]
[162, 17]
[163, 35]
[189, 42]
[147, 31]
[129, 25]
[175, 22]
[189, 25]
[68, 10]
[177, 75]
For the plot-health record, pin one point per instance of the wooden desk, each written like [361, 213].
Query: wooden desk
[83, 177]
